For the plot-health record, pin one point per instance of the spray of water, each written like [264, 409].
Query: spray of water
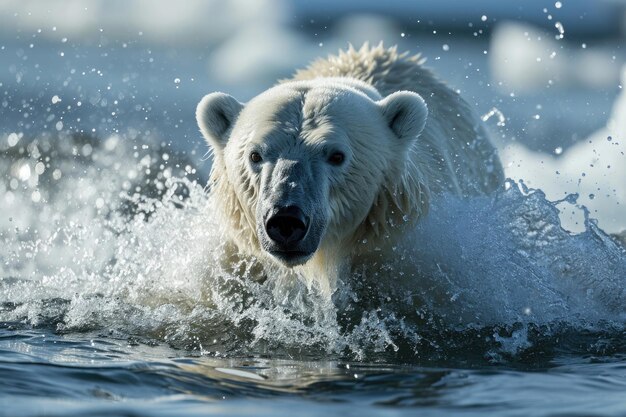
[124, 240]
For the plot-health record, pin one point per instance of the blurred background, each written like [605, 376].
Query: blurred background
[545, 75]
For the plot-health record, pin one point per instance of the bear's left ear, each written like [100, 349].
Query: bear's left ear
[405, 112]
[216, 113]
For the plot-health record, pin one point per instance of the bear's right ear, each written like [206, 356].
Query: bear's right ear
[216, 113]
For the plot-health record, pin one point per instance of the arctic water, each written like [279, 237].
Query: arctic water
[115, 300]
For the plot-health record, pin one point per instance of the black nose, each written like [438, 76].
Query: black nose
[287, 226]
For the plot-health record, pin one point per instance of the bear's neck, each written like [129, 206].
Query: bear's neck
[395, 210]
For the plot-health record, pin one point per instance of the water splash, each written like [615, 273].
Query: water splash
[126, 241]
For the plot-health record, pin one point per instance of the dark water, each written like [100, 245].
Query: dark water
[79, 375]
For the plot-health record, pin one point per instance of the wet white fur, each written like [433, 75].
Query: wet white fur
[376, 102]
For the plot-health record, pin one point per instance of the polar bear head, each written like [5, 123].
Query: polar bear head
[314, 165]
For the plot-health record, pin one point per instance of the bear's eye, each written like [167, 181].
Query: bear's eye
[336, 158]
[255, 157]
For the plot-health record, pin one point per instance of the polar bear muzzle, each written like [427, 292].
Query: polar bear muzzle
[290, 221]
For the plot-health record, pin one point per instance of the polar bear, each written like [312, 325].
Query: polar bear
[339, 161]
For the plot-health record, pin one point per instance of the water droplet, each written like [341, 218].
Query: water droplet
[445, 47]
[571, 198]
[87, 149]
[483, 18]
[558, 150]
[40, 168]
[558, 4]
[24, 172]
[495, 112]
[13, 138]
[561, 29]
